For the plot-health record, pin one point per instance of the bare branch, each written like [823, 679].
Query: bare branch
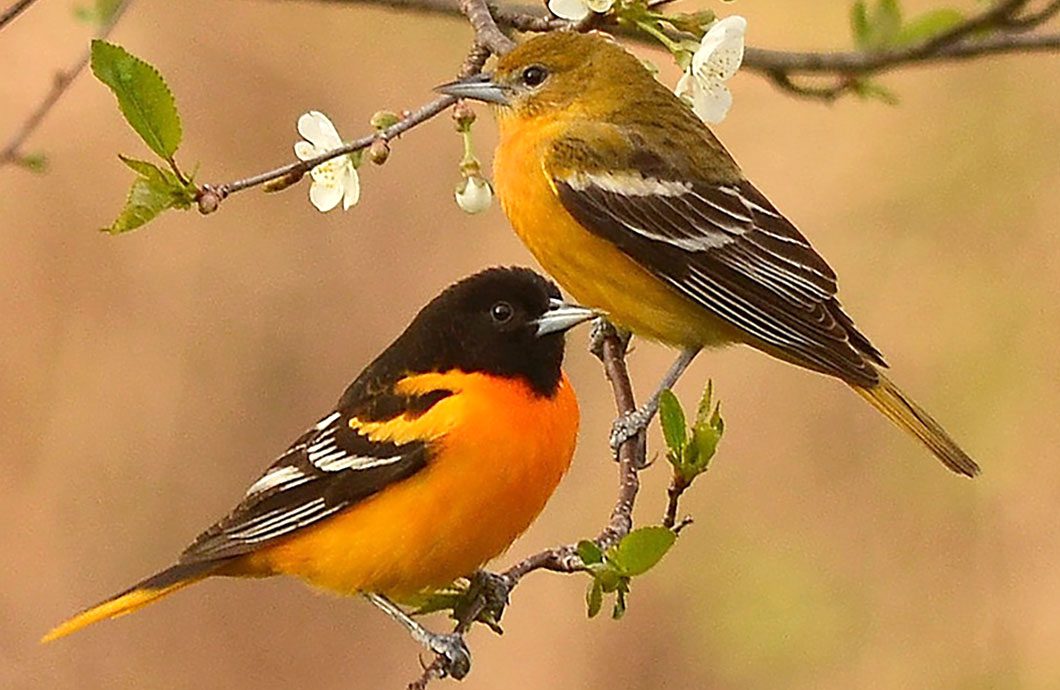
[12, 150]
[487, 33]
[13, 11]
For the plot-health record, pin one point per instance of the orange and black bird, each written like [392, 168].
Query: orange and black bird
[633, 205]
[434, 460]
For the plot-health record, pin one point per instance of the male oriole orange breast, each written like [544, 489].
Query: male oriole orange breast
[633, 205]
[435, 459]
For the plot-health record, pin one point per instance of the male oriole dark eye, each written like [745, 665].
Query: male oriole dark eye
[501, 312]
[534, 75]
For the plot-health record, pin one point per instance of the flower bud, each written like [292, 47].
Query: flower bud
[384, 118]
[474, 194]
[463, 116]
[379, 151]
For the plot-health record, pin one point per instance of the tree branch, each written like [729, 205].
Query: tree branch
[13, 11]
[12, 150]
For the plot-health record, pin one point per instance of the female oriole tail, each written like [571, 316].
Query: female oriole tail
[900, 409]
[139, 595]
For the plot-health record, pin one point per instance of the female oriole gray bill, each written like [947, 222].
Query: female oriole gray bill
[635, 208]
[434, 460]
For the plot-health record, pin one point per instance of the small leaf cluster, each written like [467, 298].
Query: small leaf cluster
[882, 27]
[690, 450]
[611, 570]
[691, 26]
[148, 106]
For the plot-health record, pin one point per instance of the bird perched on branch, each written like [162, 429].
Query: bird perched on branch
[635, 208]
[434, 460]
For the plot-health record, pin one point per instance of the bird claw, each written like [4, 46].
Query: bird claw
[455, 655]
[629, 425]
[494, 590]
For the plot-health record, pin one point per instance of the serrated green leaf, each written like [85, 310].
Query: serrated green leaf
[154, 190]
[594, 599]
[928, 25]
[859, 25]
[145, 101]
[145, 201]
[672, 419]
[641, 549]
[589, 552]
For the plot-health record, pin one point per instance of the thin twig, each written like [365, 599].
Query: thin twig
[11, 152]
[13, 11]
[211, 195]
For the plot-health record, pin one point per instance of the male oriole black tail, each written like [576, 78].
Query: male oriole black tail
[634, 207]
[434, 460]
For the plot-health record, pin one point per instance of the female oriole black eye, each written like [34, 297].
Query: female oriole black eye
[534, 75]
[501, 312]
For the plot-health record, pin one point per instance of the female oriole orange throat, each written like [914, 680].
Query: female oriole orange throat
[635, 208]
[434, 460]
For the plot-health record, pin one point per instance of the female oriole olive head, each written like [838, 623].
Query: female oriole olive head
[503, 321]
[584, 75]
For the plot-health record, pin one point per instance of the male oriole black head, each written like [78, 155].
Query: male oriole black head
[434, 460]
[633, 205]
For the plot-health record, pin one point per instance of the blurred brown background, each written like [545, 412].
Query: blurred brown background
[147, 379]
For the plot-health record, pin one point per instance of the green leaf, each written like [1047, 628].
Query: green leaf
[144, 99]
[154, 191]
[144, 203]
[589, 552]
[672, 419]
[594, 598]
[641, 549]
[887, 23]
[33, 162]
[871, 90]
[929, 25]
[859, 24]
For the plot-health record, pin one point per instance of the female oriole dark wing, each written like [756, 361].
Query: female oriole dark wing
[329, 468]
[725, 247]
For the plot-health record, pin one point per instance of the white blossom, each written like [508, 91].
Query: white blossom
[576, 10]
[715, 62]
[474, 194]
[334, 180]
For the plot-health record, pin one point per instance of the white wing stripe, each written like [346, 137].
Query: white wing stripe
[286, 477]
[356, 463]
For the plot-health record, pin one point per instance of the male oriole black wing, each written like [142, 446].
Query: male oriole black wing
[634, 207]
[434, 460]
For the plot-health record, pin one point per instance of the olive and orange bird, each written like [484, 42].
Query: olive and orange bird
[434, 460]
[630, 202]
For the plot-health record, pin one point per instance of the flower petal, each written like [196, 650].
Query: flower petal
[352, 187]
[711, 101]
[720, 52]
[475, 195]
[325, 196]
[304, 150]
[571, 10]
[317, 128]
[686, 86]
